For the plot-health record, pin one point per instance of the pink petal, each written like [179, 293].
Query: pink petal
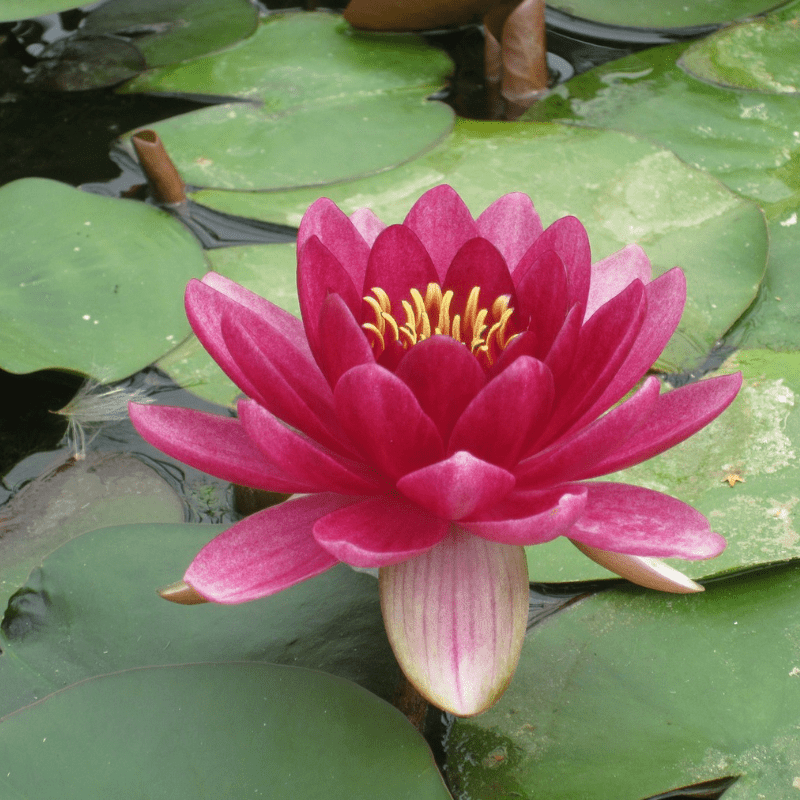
[264, 553]
[512, 225]
[443, 224]
[666, 296]
[562, 352]
[542, 297]
[456, 619]
[397, 263]
[568, 238]
[641, 522]
[325, 220]
[574, 458]
[644, 571]
[479, 263]
[510, 409]
[367, 224]
[216, 445]
[527, 518]
[379, 531]
[319, 274]
[444, 377]
[282, 321]
[343, 344]
[678, 415]
[302, 459]
[603, 345]
[289, 386]
[457, 487]
[385, 422]
[611, 275]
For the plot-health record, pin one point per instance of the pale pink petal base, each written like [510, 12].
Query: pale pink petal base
[651, 573]
[456, 619]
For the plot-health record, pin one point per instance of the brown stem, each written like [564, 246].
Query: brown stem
[162, 175]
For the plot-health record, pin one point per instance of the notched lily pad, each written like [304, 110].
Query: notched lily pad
[353, 104]
[91, 284]
[759, 55]
[216, 730]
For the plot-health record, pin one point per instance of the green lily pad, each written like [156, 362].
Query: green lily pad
[754, 443]
[268, 270]
[216, 731]
[27, 9]
[73, 498]
[748, 140]
[622, 188]
[630, 693]
[668, 14]
[354, 104]
[760, 55]
[169, 31]
[90, 284]
[92, 609]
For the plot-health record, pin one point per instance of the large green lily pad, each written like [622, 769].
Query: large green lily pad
[216, 731]
[749, 140]
[327, 104]
[90, 284]
[169, 31]
[75, 497]
[26, 9]
[92, 609]
[668, 14]
[760, 55]
[268, 270]
[630, 693]
[623, 189]
[754, 445]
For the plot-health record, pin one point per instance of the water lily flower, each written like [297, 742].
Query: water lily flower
[452, 387]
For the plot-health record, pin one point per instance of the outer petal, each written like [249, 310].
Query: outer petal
[319, 273]
[512, 225]
[611, 275]
[282, 321]
[444, 377]
[530, 517]
[641, 522]
[508, 410]
[264, 553]
[678, 415]
[385, 422]
[456, 619]
[379, 531]
[216, 445]
[649, 572]
[367, 224]
[443, 224]
[455, 488]
[339, 234]
[343, 344]
[302, 459]
[572, 460]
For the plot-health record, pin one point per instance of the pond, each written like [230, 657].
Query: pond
[660, 128]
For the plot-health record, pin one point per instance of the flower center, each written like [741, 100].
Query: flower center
[485, 331]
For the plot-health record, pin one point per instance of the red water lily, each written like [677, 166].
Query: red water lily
[452, 385]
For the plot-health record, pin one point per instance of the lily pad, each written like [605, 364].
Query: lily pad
[760, 55]
[90, 284]
[27, 9]
[215, 731]
[622, 188]
[742, 472]
[668, 14]
[169, 31]
[354, 104]
[268, 270]
[92, 609]
[646, 693]
[75, 497]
